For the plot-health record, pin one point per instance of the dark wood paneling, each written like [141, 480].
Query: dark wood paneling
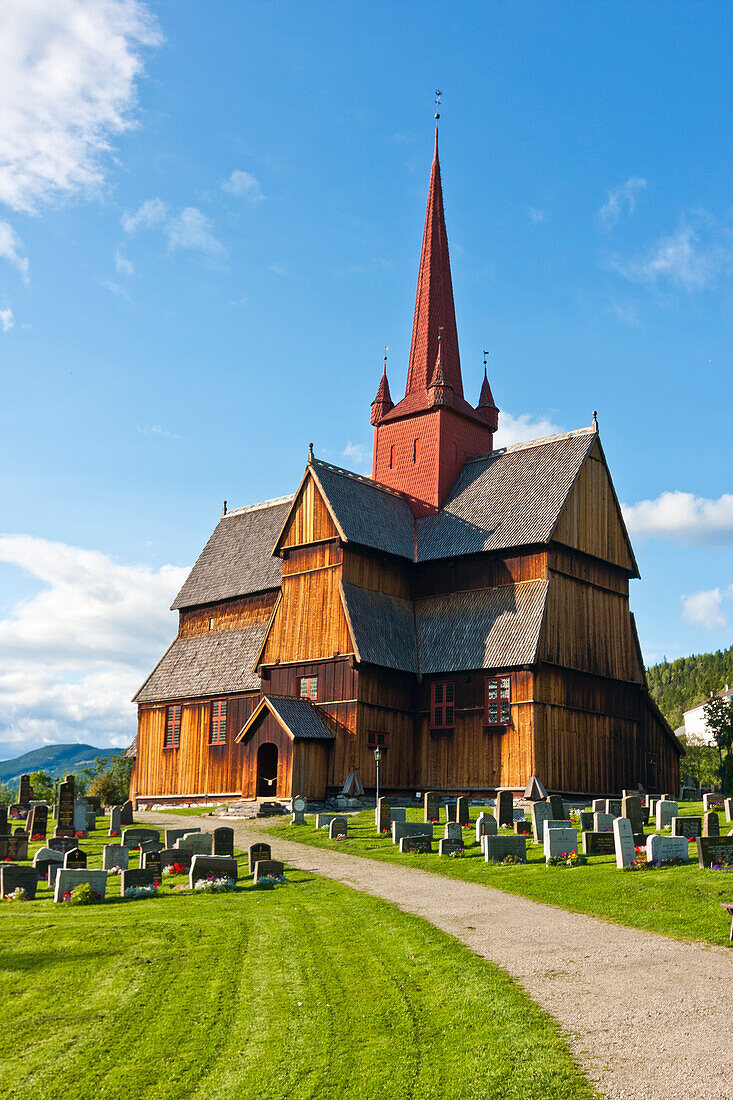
[479, 571]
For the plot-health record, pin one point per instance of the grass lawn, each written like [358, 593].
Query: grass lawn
[678, 901]
[307, 990]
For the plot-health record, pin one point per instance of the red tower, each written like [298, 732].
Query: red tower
[422, 442]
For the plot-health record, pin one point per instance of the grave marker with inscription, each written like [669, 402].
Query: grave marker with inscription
[523, 827]
[410, 828]
[65, 816]
[496, 848]
[710, 824]
[504, 808]
[485, 826]
[204, 867]
[453, 831]
[223, 844]
[667, 847]
[115, 855]
[115, 821]
[126, 813]
[597, 844]
[75, 860]
[450, 811]
[602, 823]
[399, 813]
[14, 847]
[13, 878]
[137, 876]
[152, 862]
[623, 839]
[557, 806]
[169, 857]
[257, 852]
[62, 843]
[67, 879]
[338, 826]
[131, 837]
[558, 841]
[266, 867]
[324, 820]
[666, 809]
[300, 805]
[25, 793]
[712, 848]
[687, 826]
[447, 846]
[463, 815]
[383, 816]
[541, 812]
[613, 807]
[431, 806]
[420, 843]
[38, 821]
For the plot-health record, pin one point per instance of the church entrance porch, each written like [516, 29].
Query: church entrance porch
[267, 755]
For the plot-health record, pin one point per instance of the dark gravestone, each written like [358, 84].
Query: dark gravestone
[383, 816]
[172, 835]
[62, 843]
[523, 827]
[258, 852]
[504, 808]
[63, 832]
[14, 847]
[710, 824]
[65, 818]
[38, 822]
[126, 813]
[631, 809]
[613, 807]
[95, 802]
[712, 848]
[75, 860]
[223, 844]
[264, 867]
[3, 818]
[14, 878]
[497, 848]
[431, 806]
[115, 822]
[450, 811]
[598, 844]
[25, 794]
[418, 843]
[337, 826]
[170, 856]
[557, 807]
[463, 815]
[146, 848]
[447, 847]
[91, 819]
[204, 867]
[140, 876]
[586, 820]
[46, 869]
[152, 862]
[20, 830]
[687, 826]
[131, 837]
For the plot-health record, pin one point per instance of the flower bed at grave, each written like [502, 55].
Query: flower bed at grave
[213, 885]
[83, 894]
[80, 834]
[722, 865]
[175, 869]
[18, 894]
[509, 860]
[114, 832]
[19, 815]
[566, 859]
[114, 870]
[133, 893]
[458, 854]
[641, 863]
[266, 882]
[38, 836]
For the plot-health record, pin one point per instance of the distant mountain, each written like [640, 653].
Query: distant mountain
[55, 760]
[676, 686]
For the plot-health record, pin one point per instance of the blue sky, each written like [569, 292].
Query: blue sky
[210, 221]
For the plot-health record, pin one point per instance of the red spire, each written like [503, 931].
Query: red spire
[486, 407]
[434, 307]
[442, 390]
[383, 402]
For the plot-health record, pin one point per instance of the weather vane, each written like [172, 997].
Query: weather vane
[438, 94]
[485, 355]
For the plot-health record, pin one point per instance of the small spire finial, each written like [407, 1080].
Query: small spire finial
[386, 349]
[595, 421]
[438, 94]
[486, 355]
[310, 452]
[224, 509]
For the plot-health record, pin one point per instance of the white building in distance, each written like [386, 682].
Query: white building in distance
[695, 724]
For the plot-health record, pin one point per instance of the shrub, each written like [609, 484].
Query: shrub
[83, 894]
[18, 894]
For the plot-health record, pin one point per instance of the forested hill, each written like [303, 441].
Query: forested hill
[55, 760]
[678, 685]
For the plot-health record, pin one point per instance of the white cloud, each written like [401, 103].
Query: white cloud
[520, 429]
[682, 517]
[115, 288]
[69, 84]
[156, 429]
[536, 216]
[6, 319]
[621, 199]
[192, 230]
[705, 608]
[626, 312]
[11, 249]
[72, 655]
[152, 212]
[691, 258]
[244, 185]
[360, 455]
[122, 264]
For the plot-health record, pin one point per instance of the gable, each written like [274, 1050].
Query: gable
[309, 519]
[591, 519]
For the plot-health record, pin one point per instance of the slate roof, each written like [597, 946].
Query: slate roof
[367, 514]
[480, 628]
[510, 498]
[301, 718]
[237, 559]
[215, 663]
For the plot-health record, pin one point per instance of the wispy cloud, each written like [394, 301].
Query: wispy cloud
[706, 608]
[192, 230]
[156, 429]
[151, 213]
[245, 186]
[11, 249]
[621, 200]
[536, 216]
[115, 288]
[359, 455]
[69, 84]
[6, 319]
[691, 258]
[122, 264]
[522, 428]
[625, 311]
[682, 517]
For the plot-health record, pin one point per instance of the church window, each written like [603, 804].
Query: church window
[377, 740]
[498, 700]
[172, 735]
[442, 705]
[219, 722]
[415, 450]
[391, 457]
[308, 687]
[211, 624]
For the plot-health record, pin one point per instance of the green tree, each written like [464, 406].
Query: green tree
[43, 786]
[109, 779]
[719, 720]
[700, 760]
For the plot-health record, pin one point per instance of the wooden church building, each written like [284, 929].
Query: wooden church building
[465, 609]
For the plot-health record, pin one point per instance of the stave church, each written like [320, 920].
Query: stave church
[465, 610]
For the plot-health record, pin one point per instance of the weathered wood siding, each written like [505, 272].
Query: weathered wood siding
[309, 521]
[267, 730]
[227, 614]
[591, 519]
[479, 571]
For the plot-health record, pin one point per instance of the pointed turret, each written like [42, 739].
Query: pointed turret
[440, 390]
[486, 407]
[382, 403]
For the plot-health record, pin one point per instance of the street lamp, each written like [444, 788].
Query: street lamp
[377, 758]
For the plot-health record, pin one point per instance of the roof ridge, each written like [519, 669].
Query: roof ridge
[262, 504]
[363, 478]
[532, 443]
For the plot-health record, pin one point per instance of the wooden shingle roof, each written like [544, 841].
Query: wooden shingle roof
[215, 663]
[365, 512]
[299, 718]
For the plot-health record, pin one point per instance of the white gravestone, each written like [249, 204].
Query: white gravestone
[603, 823]
[666, 847]
[665, 811]
[80, 817]
[623, 840]
[541, 812]
[67, 879]
[485, 826]
[554, 823]
[558, 841]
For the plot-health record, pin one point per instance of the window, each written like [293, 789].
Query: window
[308, 687]
[377, 740]
[211, 624]
[391, 457]
[219, 722]
[498, 699]
[442, 710]
[172, 735]
[415, 450]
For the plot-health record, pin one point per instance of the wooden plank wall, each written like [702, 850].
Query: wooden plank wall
[227, 614]
[591, 520]
[600, 573]
[267, 729]
[387, 705]
[480, 571]
[585, 753]
[309, 520]
[379, 573]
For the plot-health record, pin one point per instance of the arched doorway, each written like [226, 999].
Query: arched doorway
[267, 770]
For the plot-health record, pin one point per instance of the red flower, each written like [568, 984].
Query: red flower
[80, 834]
[38, 836]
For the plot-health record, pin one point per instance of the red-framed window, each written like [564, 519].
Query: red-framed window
[172, 735]
[219, 722]
[308, 687]
[442, 705]
[497, 710]
[377, 740]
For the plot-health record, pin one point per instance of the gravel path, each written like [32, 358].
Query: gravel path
[648, 1018]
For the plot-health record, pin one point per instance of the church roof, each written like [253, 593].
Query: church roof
[365, 512]
[237, 559]
[382, 627]
[301, 719]
[215, 663]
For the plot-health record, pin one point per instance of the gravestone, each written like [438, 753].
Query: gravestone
[324, 820]
[523, 827]
[450, 812]
[727, 806]
[204, 867]
[172, 835]
[687, 826]
[585, 819]
[25, 793]
[383, 816]
[463, 815]
[62, 843]
[688, 794]
[602, 823]
[131, 837]
[667, 847]
[137, 876]
[550, 823]
[126, 813]
[65, 815]
[95, 802]
[91, 819]
[75, 860]
[38, 822]
[47, 855]
[557, 806]
[146, 847]
[80, 815]
[495, 848]
[447, 846]
[115, 821]
[14, 847]
[541, 812]
[623, 839]
[613, 807]
[485, 826]
[338, 826]
[3, 818]
[534, 791]
[420, 843]
[666, 809]
[431, 806]
[710, 824]
[597, 844]
[453, 831]
[712, 801]
[13, 878]
[21, 830]
[169, 857]
[151, 861]
[410, 828]
[257, 852]
[199, 843]
[60, 831]
[300, 805]
[399, 813]
[67, 879]
[504, 808]
[711, 848]
[115, 855]
[223, 843]
[557, 841]
[264, 867]
[598, 806]
[631, 810]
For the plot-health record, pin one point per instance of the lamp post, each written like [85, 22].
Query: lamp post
[377, 758]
